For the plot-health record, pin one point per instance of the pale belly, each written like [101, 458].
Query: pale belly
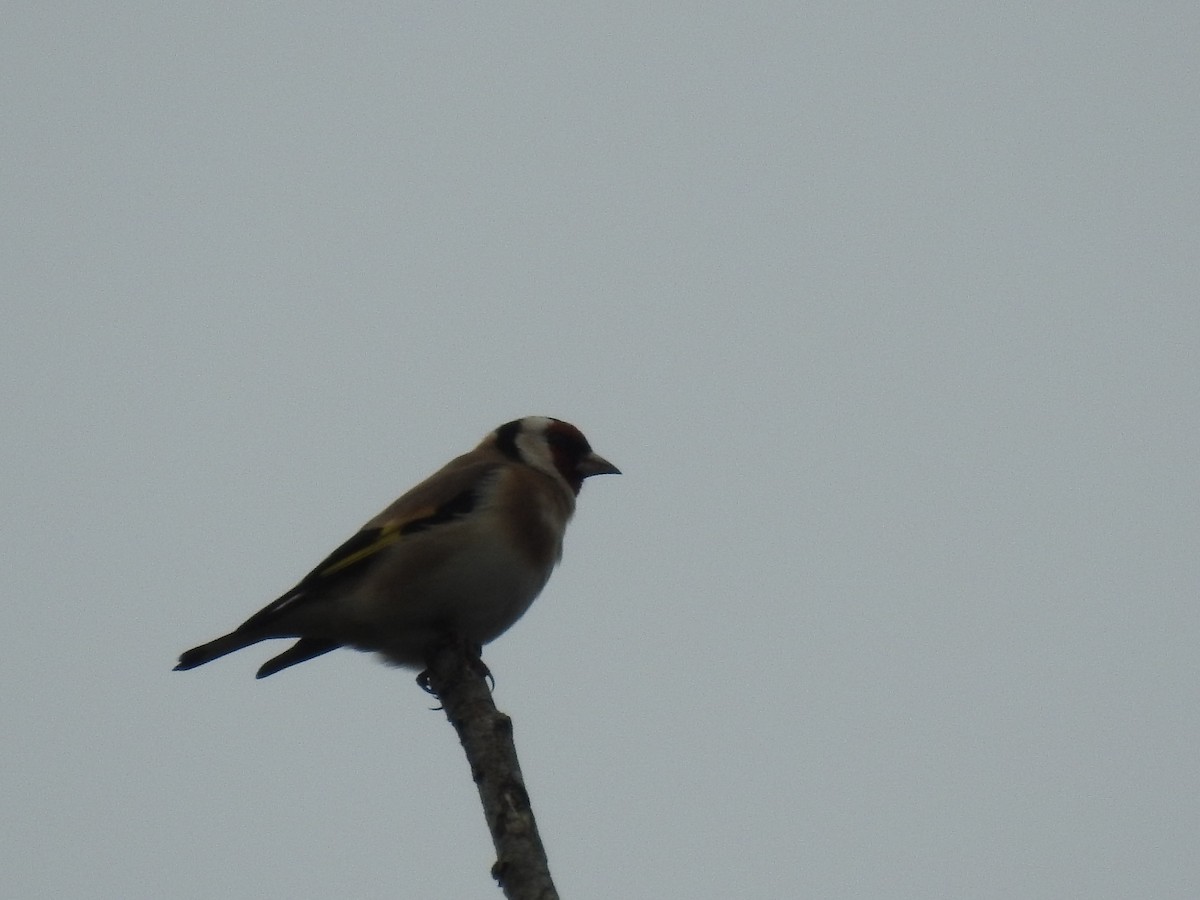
[476, 596]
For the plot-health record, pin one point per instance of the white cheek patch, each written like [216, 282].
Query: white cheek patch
[536, 452]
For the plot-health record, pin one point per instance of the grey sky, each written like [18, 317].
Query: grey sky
[889, 315]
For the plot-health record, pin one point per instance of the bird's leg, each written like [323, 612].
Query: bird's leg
[470, 651]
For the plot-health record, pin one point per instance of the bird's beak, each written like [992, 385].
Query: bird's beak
[593, 464]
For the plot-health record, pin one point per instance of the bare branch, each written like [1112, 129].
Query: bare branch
[457, 676]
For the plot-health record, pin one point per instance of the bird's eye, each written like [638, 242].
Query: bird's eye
[561, 440]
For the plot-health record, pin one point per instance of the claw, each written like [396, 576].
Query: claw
[473, 653]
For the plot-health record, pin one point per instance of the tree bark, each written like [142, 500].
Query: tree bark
[458, 678]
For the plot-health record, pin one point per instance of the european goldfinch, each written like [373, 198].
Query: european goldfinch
[463, 554]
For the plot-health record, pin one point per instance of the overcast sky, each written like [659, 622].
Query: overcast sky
[889, 314]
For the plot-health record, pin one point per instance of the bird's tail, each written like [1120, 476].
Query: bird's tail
[206, 653]
[303, 649]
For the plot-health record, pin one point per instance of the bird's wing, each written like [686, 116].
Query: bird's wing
[446, 496]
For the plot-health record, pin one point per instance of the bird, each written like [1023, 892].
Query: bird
[460, 556]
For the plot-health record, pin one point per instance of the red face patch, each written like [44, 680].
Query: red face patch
[568, 447]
